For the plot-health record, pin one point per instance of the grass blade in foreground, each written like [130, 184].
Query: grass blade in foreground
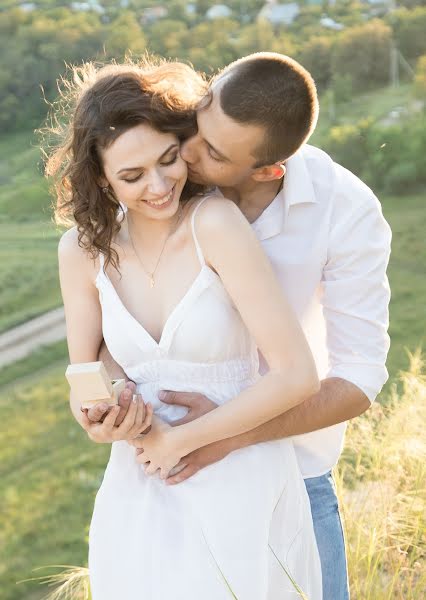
[294, 584]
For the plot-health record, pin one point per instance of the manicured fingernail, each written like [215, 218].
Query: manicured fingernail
[127, 394]
[134, 398]
[162, 395]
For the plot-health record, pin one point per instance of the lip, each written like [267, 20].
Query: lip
[193, 172]
[166, 204]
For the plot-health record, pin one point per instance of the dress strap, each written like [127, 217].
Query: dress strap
[101, 261]
[194, 235]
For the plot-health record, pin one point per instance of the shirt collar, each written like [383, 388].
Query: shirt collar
[297, 189]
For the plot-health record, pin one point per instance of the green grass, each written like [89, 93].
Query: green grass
[28, 271]
[407, 275]
[49, 475]
[28, 239]
[41, 360]
[24, 196]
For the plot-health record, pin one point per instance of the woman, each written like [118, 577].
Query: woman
[183, 295]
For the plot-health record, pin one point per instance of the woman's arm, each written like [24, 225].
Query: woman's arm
[84, 335]
[230, 247]
[232, 250]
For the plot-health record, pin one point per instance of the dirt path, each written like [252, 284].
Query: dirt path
[24, 339]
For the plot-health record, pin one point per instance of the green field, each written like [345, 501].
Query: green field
[49, 475]
[28, 239]
[407, 274]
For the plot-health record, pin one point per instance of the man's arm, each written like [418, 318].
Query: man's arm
[114, 370]
[337, 401]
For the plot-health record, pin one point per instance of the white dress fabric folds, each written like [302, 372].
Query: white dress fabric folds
[240, 528]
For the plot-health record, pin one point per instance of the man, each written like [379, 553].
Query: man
[329, 244]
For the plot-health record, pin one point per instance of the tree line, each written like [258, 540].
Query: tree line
[37, 44]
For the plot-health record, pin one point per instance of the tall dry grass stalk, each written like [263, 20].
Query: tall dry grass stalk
[382, 487]
[71, 583]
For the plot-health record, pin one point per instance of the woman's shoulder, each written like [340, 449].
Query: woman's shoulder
[72, 255]
[69, 244]
[214, 211]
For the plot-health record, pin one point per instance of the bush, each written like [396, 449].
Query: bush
[389, 159]
[363, 52]
[347, 144]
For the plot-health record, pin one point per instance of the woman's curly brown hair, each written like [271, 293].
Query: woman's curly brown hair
[99, 104]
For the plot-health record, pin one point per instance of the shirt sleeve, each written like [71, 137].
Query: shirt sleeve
[355, 286]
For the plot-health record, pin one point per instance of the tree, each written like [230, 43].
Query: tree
[316, 56]
[409, 28]
[167, 38]
[124, 35]
[420, 79]
[363, 53]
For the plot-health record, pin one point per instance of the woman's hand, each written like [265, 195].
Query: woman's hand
[136, 421]
[160, 449]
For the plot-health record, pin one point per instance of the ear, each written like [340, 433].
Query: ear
[270, 172]
[103, 182]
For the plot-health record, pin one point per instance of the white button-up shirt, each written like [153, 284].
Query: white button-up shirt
[329, 243]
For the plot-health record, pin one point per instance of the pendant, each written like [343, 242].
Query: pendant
[151, 282]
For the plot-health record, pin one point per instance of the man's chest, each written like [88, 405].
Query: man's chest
[298, 255]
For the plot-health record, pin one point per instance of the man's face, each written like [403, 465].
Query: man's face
[221, 153]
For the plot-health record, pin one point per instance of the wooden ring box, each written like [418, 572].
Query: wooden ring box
[90, 384]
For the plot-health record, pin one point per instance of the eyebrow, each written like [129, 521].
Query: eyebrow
[171, 147]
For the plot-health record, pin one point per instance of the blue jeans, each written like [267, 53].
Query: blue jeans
[329, 535]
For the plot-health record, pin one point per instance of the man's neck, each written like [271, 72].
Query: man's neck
[253, 197]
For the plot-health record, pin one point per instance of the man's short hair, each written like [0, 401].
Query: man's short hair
[273, 91]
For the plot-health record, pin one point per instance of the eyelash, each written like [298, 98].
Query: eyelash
[166, 164]
[212, 157]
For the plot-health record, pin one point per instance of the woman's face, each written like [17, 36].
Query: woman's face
[145, 171]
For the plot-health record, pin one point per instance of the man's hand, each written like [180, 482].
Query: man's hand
[197, 404]
[98, 412]
[193, 462]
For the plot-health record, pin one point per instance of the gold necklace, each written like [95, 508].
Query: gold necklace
[151, 274]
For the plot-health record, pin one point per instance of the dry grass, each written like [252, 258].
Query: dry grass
[382, 486]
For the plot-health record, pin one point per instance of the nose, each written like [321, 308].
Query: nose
[158, 185]
[187, 149]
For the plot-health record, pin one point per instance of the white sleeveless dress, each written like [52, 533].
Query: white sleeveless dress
[240, 528]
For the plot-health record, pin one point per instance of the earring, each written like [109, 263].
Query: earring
[105, 190]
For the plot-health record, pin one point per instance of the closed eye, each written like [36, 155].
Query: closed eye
[164, 164]
[134, 179]
[211, 155]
